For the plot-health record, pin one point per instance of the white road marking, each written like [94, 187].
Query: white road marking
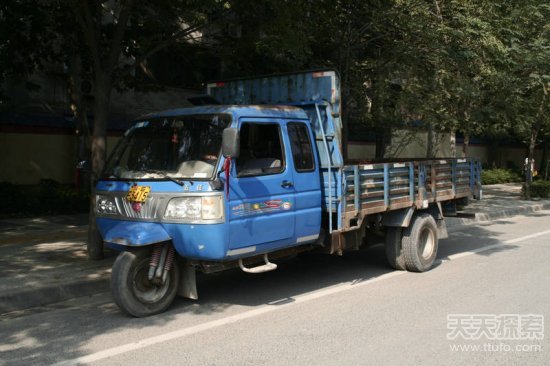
[264, 310]
[489, 247]
[527, 237]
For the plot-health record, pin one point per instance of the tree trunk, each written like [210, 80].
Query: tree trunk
[345, 129]
[80, 113]
[530, 162]
[102, 95]
[466, 145]
[453, 143]
[380, 143]
[344, 113]
[105, 59]
[544, 162]
[381, 129]
[430, 143]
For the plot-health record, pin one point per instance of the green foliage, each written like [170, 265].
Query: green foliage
[498, 176]
[49, 197]
[458, 65]
[540, 188]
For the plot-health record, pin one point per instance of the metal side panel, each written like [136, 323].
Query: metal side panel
[279, 89]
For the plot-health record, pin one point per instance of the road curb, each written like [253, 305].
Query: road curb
[486, 217]
[21, 300]
[491, 216]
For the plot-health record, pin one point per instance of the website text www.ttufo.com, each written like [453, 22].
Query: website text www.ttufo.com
[495, 347]
[495, 332]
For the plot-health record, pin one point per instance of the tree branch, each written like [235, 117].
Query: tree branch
[175, 37]
[84, 19]
[438, 11]
[118, 35]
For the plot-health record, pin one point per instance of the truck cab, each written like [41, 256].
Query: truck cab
[269, 199]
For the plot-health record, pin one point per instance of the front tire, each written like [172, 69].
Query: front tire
[132, 290]
[420, 243]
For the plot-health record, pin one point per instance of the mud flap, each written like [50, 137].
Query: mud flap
[442, 229]
[188, 282]
[337, 243]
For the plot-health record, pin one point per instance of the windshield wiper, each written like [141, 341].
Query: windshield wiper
[164, 175]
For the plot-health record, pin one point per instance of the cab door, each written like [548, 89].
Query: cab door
[262, 198]
[307, 182]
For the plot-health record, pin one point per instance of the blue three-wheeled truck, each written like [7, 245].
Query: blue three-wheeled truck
[256, 179]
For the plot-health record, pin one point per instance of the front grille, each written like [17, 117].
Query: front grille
[152, 209]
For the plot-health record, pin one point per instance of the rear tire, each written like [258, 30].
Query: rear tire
[132, 290]
[394, 248]
[420, 243]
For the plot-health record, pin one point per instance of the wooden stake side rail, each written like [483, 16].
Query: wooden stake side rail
[381, 187]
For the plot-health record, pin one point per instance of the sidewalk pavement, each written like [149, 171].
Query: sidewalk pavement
[43, 260]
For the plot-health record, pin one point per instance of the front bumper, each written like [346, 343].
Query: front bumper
[131, 233]
[201, 242]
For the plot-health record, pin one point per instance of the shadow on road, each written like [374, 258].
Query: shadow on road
[40, 338]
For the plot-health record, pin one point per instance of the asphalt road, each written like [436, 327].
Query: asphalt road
[323, 310]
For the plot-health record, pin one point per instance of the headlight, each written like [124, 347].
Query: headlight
[195, 208]
[212, 208]
[105, 205]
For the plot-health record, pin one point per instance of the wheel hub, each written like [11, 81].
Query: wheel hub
[146, 290]
[427, 244]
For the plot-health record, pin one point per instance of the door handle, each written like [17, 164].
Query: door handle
[287, 184]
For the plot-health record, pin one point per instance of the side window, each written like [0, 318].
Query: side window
[300, 143]
[261, 150]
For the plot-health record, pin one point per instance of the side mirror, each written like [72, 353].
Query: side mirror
[231, 143]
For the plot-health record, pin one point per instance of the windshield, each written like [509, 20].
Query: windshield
[174, 147]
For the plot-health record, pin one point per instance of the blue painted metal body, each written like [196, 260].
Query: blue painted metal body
[318, 94]
[261, 214]
[292, 218]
